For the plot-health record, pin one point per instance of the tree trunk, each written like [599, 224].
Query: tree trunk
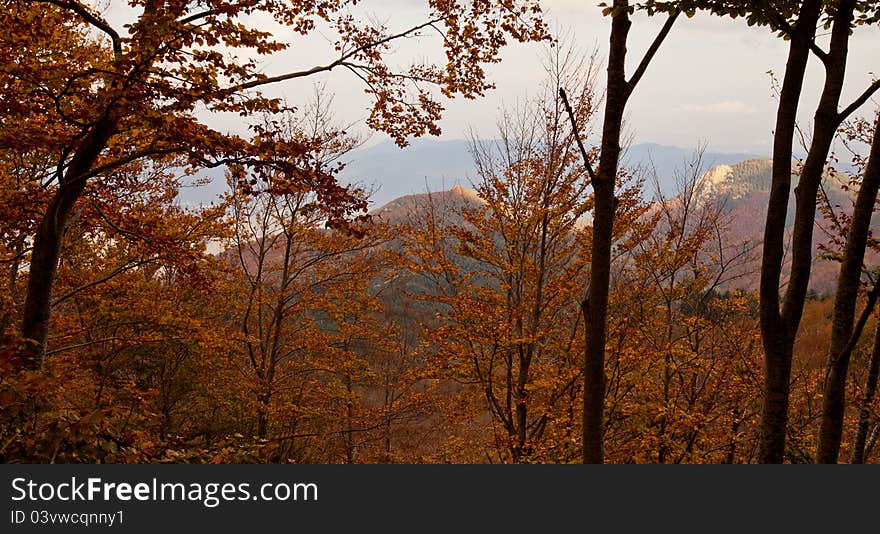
[48, 242]
[264, 400]
[859, 446]
[827, 120]
[596, 306]
[848, 282]
[778, 328]
[521, 449]
[348, 434]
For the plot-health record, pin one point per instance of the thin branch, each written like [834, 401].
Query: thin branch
[129, 158]
[577, 135]
[859, 327]
[652, 51]
[119, 270]
[202, 14]
[330, 66]
[17, 256]
[869, 92]
[83, 345]
[288, 76]
[327, 433]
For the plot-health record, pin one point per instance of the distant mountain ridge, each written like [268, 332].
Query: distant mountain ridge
[737, 181]
[407, 209]
[438, 165]
[744, 190]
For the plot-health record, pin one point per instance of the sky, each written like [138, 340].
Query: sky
[709, 84]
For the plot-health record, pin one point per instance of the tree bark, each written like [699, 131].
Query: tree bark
[263, 400]
[48, 241]
[596, 306]
[778, 327]
[848, 282]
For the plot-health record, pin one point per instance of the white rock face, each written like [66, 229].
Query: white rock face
[714, 181]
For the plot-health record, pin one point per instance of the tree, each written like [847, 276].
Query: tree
[683, 387]
[135, 93]
[846, 331]
[604, 179]
[781, 315]
[506, 297]
[867, 433]
[317, 348]
[779, 326]
[288, 266]
[132, 328]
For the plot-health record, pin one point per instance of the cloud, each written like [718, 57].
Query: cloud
[726, 107]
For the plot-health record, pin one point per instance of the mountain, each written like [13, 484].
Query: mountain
[434, 165]
[738, 181]
[669, 161]
[438, 165]
[744, 189]
[408, 208]
[404, 177]
[425, 165]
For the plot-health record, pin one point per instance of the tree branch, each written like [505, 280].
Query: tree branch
[17, 256]
[200, 15]
[778, 22]
[577, 135]
[130, 158]
[90, 18]
[858, 102]
[330, 66]
[652, 51]
[873, 295]
[119, 270]
[88, 343]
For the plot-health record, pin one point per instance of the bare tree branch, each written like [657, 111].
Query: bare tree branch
[858, 102]
[652, 51]
[577, 135]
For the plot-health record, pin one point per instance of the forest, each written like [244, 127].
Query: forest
[566, 307]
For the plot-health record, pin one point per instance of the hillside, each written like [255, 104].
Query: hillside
[411, 209]
[439, 165]
[743, 188]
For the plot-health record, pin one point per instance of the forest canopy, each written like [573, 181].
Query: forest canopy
[564, 308]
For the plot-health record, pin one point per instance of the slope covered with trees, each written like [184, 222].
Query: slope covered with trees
[566, 309]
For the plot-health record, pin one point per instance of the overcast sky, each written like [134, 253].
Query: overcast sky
[709, 82]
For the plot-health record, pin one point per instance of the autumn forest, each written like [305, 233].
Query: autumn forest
[565, 306]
